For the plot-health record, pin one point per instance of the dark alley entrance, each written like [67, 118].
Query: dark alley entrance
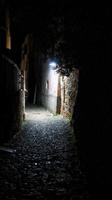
[45, 164]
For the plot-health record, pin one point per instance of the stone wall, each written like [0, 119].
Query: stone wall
[25, 65]
[69, 89]
[10, 101]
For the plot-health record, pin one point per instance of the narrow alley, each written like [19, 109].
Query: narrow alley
[41, 161]
[56, 57]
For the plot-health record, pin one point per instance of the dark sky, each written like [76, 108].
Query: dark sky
[80, 24]
[32, 16]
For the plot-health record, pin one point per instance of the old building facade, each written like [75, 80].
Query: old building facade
[59, 92]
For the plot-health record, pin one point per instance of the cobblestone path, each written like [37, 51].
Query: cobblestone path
[44, 164]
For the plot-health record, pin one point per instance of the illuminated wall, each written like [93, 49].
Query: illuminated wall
[49, 94]
[69, 89]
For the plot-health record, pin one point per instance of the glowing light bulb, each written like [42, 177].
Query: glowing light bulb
[52, 64]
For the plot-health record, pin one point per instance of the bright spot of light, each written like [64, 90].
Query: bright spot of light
[52, 64]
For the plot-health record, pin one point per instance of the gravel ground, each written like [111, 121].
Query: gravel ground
[41, 161]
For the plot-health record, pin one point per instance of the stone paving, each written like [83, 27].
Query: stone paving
[44, 164]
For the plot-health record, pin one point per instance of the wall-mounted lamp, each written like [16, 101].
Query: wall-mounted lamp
[53, 65]
[59, 69]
